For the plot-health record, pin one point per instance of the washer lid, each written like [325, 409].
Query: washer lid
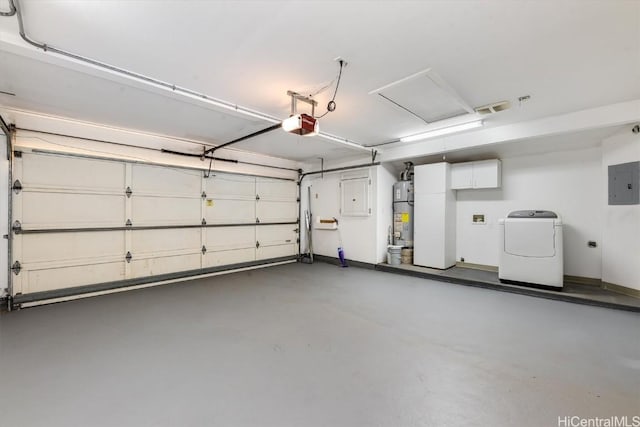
[532, 238]
[532, 214]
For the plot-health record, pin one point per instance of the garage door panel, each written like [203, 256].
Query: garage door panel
[46, 279]
[267, 252]
[164, 265]
[276, 189]
[277, 211]
[71, 210]
[71, 246]
[226, 238]
[270, 235]
[152, 210]
[221, 211]
[228, 257]
[154, 241]
[165, 180]
[51, 171]
[230, 186]
[67, 192]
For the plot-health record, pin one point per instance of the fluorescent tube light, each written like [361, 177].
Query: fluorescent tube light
[443, 131]
[343, 141]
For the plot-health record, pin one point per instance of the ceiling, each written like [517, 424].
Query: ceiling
[567, 55]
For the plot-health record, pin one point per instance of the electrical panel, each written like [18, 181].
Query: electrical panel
[355, 197]
[624, 184]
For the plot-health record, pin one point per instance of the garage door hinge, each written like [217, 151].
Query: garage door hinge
[17, 154]
[203, 195]
[128, 192]
[257, 220]
[16, 267]
[298, 199]
[128, 257]
[128, 223]
[296, 230]
[257, 244]
[257, 197]
[204, 221]
[297, 240]
[204, 249]
[17, 186]
[17, 226]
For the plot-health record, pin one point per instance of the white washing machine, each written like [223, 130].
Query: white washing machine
[531, 248]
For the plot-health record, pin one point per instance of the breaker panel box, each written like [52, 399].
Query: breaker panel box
[624, 184]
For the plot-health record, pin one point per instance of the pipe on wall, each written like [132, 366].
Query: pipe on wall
[15, 4]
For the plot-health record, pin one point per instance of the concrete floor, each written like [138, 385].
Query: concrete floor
[316, 345]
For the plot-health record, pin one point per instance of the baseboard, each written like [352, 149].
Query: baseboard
[477, 266]
[579, 280]
[621, 289]
[350, 262]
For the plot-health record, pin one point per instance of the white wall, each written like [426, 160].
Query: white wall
[358, 233]
[566, 182]
[621, 234]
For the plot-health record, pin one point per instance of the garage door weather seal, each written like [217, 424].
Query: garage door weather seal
[98, 287]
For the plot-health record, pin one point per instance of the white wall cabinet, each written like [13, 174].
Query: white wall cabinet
[435, 217]
[482, 174]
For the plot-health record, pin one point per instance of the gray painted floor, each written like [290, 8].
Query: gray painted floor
[316, 345]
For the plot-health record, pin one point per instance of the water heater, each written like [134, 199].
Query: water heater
[403, 208]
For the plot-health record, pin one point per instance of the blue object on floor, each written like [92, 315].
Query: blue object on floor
[343, 261]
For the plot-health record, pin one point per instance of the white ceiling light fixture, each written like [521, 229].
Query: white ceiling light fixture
[443, 131]
[343, 141]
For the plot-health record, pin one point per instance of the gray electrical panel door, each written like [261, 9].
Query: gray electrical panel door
[624, 184]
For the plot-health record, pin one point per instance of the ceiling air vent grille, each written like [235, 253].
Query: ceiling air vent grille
[493, 108]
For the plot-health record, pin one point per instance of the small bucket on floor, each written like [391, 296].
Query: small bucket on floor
[393, 254]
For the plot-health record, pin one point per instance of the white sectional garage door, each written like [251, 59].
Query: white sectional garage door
[85, 224]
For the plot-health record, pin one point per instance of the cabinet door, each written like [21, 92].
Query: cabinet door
[486, 174]
[355, 197]
[461, 176]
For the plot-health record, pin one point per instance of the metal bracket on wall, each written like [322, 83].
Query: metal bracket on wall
[17, 186]
[16, 267]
